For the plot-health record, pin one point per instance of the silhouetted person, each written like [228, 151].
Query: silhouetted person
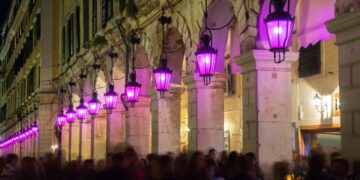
[258, 170]
[2, 164]
[87, 171]
[71, 171]
[212, 170]
[356, 171]
[10, 167]
[281, 170]
[197, 166]
[231, 169]
[317, 165]
[339, 169]
[29, 169]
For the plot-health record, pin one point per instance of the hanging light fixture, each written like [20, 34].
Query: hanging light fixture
[279, 25]
[61, 117]
[71, 113]
[206, 55]
[94, 103]
[163, 74]
[132, 88]
[111, 96]
[82, 110]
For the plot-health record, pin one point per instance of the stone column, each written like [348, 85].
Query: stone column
[267, 106]
[347, 30]
[206, 113]
[117, 128]
[46, 115]
[138, 126]
[165, 120]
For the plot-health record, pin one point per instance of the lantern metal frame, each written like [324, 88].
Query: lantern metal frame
[280, 15]
[162, 71]
[132, 83]
[206, 48]
[94, 100]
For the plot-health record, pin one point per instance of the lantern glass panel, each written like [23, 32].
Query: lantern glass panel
[82, 112]
[132, 93]
[71, 115]
[162, 80]
[111, 98]
[279, 33]
[94, 107]
[206, 63]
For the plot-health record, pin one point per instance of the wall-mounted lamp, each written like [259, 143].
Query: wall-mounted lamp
[319, 104]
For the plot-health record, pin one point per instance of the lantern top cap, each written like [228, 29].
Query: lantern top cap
[279, 15]
[163, 67]
[132, 81]
[81, 106]
[111, 91]
[205, 46]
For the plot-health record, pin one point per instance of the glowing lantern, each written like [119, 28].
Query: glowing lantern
[94, 105]
[71, 114]
[82, 110]
[132, 90]
[279, 25]
[206, 59]
[61, 119]
[111, 97]
[162, 77]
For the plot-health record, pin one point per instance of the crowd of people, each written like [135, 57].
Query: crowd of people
[197, 166]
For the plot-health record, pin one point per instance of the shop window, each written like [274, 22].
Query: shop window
[310, 60]
[94, 17]
[85, 21]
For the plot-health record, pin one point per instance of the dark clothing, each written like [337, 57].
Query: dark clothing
[318, 175]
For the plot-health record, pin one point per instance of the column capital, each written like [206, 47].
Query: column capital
[345, 27]
[263, 60]
[195, 81]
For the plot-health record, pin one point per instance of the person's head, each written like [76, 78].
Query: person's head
[252, 157]
[339, 167]
[118, 160]
[143, 162]
[212, 154]
[280, 170]
[166, 165]
[130, 157]
[88, 165]
[233, 158]
[29, 169]
[12, 159]
[197, 160]
[317, 162]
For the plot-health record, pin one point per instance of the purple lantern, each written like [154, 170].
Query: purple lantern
[132, 90]
[111, 97]
[279, 25]
[35, 128]
[206, 59]
[162, 77]
[94, 105]
[82, 110]
[61, 119]
[70, 114]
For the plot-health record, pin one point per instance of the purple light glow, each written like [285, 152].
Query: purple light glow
[19, 137]
[94, 106]
[111, 98]
[279, 33]
[82, 111]
[70, 114]
[61, 119]
[132, 89]
[206, 57]
[162, 77]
